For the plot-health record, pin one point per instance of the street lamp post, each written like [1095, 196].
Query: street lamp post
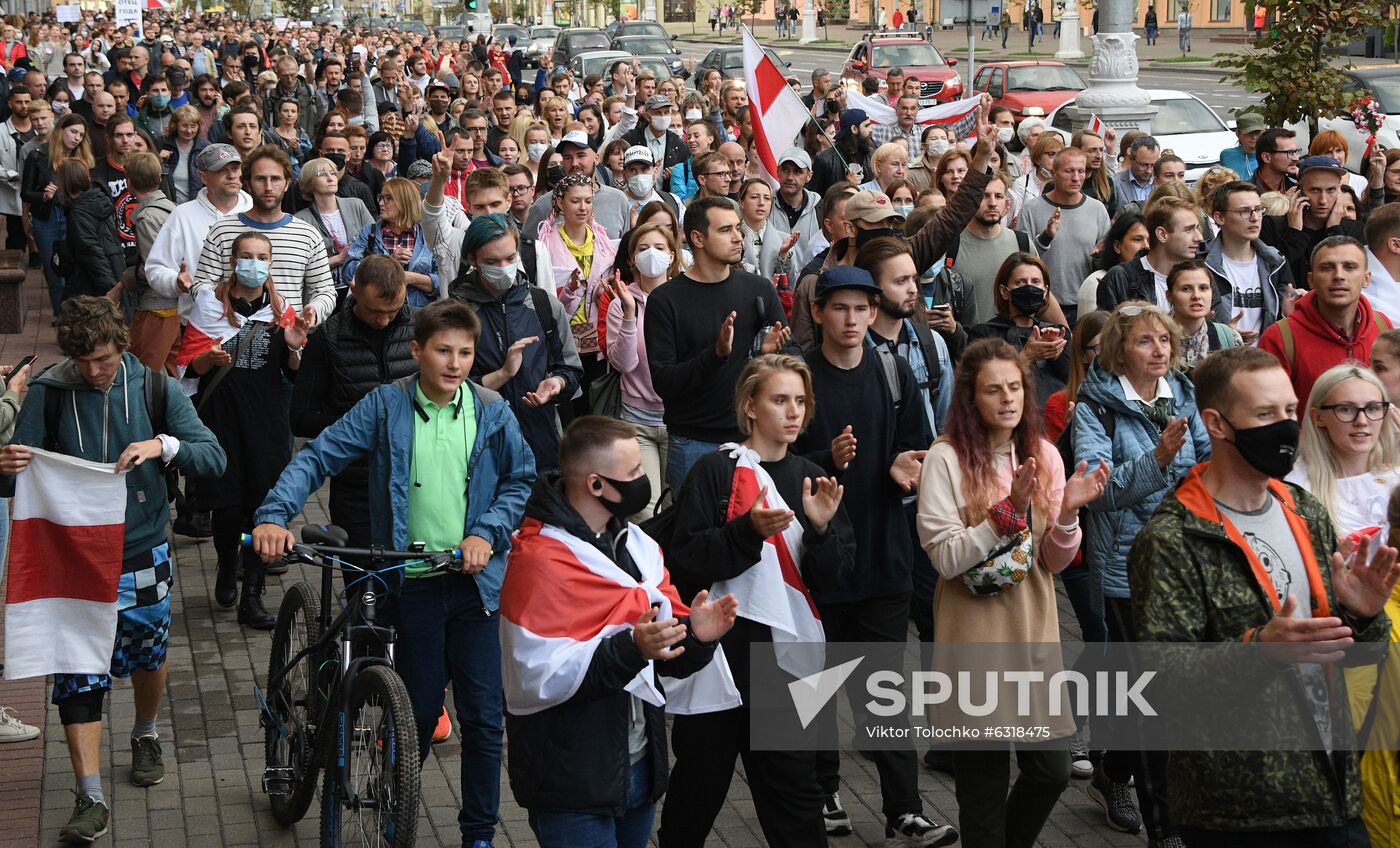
[1113, 93]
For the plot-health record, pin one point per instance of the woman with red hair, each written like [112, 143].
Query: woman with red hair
[1333, 145]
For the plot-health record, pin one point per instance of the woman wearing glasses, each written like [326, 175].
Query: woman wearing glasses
[1347, 457]
[399, 233]
[337, 219]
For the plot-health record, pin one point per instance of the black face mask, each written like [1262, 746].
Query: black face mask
[636, 494]
[554, 173]
[863, 236]
[1028, 300]
[247, 308]
[336, 159]
[1269, 449]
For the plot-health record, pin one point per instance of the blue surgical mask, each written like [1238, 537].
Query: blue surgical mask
[160, 101]
[251, 272]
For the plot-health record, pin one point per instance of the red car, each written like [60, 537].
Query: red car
[1022, 85]
[877, 54]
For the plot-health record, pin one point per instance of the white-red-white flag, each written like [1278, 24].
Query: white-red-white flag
[778, 113]
[65, 563]
[1096, 126]
[959, 116]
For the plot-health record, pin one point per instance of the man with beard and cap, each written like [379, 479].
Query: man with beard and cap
[540, 367]
[871, 215]
[610, 206]
[852, 149]
[794, 207]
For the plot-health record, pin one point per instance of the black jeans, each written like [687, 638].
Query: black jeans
[989, 816]
[786, 797]
[883, 619]
[1352, 835]
[1147, 768]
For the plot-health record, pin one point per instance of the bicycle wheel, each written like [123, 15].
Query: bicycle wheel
[291, 750]
[379, 805]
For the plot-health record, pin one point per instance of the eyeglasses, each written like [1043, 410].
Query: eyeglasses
[1249, 213]
[716, 173]
[520, 189]
[1130, 311]
[1293, 154]
[324, 173]
[1094, 348]
[481, 130]
[1346, 412]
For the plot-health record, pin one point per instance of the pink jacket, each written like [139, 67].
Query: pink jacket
[627, 352]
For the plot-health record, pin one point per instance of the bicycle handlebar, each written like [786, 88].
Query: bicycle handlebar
[327, 540]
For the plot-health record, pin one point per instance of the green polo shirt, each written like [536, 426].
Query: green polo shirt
[437, 488]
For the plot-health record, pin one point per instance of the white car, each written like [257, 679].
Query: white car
[1184, 124]
[541, 43]
[599, 61]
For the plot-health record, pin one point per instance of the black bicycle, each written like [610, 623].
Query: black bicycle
[333, 699]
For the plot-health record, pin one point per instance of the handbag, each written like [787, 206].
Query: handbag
[605, 395]
[1005, 567]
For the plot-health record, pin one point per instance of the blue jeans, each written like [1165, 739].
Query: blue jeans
[46, 233]
[565, 829]
[444, 635]
[681, 453]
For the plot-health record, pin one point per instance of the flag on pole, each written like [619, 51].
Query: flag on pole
[778, 113]
[65, 563]
[959, 116]
[1096, 126]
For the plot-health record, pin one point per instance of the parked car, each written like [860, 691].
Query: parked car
[1383, 84]
[650, 45]
[451, 33]
[505, 32]
[541, 43]
[1184, 124]
[640, 28]
[1028, 85]
[575, 40]
[413, 25]
[876, 55]
[730, 62]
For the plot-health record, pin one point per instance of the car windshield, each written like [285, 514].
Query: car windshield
[645, 45]
[920, 55]
[643, 28]
[598, 64]
[414, 26]
[1043, 78]
[1184, 116]
[657, 65]
[1386, 90]
[544, 32]
[507, 32]
[588, 41]
[453, 32]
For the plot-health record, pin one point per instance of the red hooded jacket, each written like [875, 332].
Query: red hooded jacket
[1317, 345]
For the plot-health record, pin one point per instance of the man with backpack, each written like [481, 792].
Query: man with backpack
[101, 404]
[870, 428]
[155, 328]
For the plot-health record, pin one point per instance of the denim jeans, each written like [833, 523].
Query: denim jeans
[46, 233]
[445, 635]
[566, 829]
[681, 454]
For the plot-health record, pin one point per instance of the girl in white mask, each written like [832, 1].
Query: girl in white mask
[537, 144]
[654, 259]
[934, 142]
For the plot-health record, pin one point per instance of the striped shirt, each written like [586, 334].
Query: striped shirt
[299, 267]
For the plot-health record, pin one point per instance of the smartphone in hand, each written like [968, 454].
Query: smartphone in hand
[20, 366]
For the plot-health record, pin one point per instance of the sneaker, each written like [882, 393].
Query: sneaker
[1172, 841]
[1115, 798]
[1080, 766]
[147, 768]
[837, 822]
[918, 829]
[14, 730]
[443, 731]
[88, 822]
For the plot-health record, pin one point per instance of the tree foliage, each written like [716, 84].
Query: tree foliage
[1291, 68]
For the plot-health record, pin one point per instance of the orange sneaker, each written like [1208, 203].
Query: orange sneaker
[443, 732]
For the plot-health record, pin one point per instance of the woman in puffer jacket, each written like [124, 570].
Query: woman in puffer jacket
[1137, 411]
[92, 260]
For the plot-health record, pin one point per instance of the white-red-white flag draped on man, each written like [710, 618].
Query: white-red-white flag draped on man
[959, 116]
[65, 563]
[777, 112]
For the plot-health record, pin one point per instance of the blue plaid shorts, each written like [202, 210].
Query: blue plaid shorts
[143, 624]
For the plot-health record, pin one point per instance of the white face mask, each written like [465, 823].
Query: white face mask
[536, 150]
[652, 261]
[640, 185]
[499, 277]
[938, 146]
[904, 209]
[660, 123]
[693, 115]
[1004, 134]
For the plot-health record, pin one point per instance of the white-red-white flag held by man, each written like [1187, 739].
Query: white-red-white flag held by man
[1096, 126]
[959, 116]
[778, 113]
[65, 563]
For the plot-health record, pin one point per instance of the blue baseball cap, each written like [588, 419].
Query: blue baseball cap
[841, 277]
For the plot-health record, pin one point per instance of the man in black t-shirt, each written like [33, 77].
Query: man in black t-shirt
[701, 327]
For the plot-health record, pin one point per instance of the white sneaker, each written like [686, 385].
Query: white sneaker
[837, 822]
[1081, 767]
[14, 730]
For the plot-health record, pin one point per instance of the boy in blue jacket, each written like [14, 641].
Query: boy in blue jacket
[449, 468]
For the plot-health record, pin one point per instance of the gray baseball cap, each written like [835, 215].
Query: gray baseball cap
[216, 157]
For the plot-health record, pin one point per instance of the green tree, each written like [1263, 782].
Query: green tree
[1291, 68]
[297, 10]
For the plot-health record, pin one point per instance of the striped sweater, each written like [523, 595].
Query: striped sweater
[299, 267]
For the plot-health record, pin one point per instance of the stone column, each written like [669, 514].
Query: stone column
[1113, 93]
[809, 23]
[1069, 33]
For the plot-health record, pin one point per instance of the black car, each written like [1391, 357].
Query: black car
[651, 45]
[730, 62]
[576, 40]
[640, 28]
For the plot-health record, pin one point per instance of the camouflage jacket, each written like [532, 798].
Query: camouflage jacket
[1191, 583]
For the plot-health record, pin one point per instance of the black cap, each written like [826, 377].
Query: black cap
[844, 277]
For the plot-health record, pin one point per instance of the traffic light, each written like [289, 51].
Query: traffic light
[471, 5]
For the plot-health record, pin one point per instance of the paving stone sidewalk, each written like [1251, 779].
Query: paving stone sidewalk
[214, 746]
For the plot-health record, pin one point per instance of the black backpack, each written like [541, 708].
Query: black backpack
[1065, 443]
[156, 389]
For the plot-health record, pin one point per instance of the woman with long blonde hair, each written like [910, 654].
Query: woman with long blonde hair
[38, 190]
[399, 234]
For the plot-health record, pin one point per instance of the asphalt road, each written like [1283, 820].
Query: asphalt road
[1223, 97]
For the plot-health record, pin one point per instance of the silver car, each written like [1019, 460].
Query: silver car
[541, 43]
